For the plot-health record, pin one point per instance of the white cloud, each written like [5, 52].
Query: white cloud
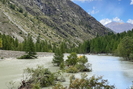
[82, 0]
[105, 21]
[116, 19]
[94, 11]
[86, 0]
[131, 2]
[130, 21]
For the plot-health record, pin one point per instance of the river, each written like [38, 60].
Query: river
[118, 72]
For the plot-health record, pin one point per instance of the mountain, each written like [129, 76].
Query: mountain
[52, 20]
[119, 27]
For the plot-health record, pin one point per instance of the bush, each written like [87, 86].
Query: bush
[62, 66]
[85, 83]
[20, 10]
[25, 14]
[72, 69]
[27, 57]
[24, 57]
[91, 83]
[36, 86]
[77, 63]
[82, 59]
[58, 86]
[72, 59]
[131, 56]
[12, 6]
[40, 76]
[80, 67]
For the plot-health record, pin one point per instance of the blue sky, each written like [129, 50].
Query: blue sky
[106, 11]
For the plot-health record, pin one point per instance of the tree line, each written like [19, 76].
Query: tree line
[120, 44]
[11, 43]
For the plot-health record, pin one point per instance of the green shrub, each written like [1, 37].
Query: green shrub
[27, 57]
[41, 76]
[12, 6]
[77, 63]
[20, 10]
[25, 14]
[72, 69]
[85, 83]
[91, 83]
[82, 59]
[58, 86]
[62, 66]
[131, 56]
[72, 59]
[24, 57]
[36, 86]
[80, 67]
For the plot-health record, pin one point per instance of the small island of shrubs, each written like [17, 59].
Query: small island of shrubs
[73, 63]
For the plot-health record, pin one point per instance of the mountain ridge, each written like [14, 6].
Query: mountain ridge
[53, 20]
[119, 27]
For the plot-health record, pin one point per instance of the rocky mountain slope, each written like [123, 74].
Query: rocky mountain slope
[119, 27]
[53, 20]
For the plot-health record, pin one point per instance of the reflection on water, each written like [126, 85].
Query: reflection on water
[118, 73]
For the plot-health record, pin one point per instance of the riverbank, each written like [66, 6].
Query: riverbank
[15, 54]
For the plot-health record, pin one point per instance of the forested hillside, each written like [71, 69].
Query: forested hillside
[52, 20]
[119, 44]
[9, 43]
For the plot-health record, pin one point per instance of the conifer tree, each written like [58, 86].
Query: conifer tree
[58, 57]
[0, 43]
[38, 44]
[29, 49]
[125, 47]
[63, 47]
[6, 42]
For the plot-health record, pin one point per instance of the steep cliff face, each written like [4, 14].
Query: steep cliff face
[64, 18]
